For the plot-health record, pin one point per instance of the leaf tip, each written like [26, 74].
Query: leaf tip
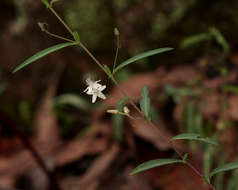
[132, 173]
[15, 70]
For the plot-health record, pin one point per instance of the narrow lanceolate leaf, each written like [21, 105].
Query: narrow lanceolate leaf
[189, 136]
[220, 39]
[42, 54]
[185, 157]
[145, 102]
[141, 56]
[209, 141]
[195, 39]
[76, 36]
[46, 3]
[72, 100]
[155, 163]
[196, 137]
[226, 167]
[108, 71]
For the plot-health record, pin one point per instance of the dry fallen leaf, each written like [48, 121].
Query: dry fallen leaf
[157, 135]
[45, 120]
[210, 105]
[78, 148]
[176, 177]
[133, 85]
[99, 166]
[180, 75]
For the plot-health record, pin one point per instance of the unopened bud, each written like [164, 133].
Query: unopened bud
[126, 110]
[116, 32]
[113, 111]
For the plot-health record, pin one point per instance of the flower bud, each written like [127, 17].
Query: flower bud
[113, 111]
[126, 110]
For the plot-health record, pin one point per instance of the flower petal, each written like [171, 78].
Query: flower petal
[94, 89]
[94, 98]
[102, 88]
[101, 95]
[86, 89]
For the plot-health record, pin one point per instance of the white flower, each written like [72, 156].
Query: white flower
[95, 89]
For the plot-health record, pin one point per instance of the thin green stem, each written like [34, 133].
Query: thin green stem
[139, 111]
[95, 60]
[112, 77]
[57, 36]
[123, 92]
[192, 167]
[61, 20]
[101, 66]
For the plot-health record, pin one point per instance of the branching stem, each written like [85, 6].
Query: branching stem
[125, 94]
[192, 167]
[57, 36]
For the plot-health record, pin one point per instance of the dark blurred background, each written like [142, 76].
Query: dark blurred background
[192, 88]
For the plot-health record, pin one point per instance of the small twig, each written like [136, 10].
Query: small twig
[139, 111]
[57, 36]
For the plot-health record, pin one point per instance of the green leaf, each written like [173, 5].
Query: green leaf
[72, 100]
[76, 36]
[155, 163]
[195, 39]
[189, 136]
[46, 3]
[108, 71]
[140, 56]
[185, 157]
[208, 141]
[219, 178]
[194, 136]
[226, 167]
[208, 158]
[42, 54]
[145, 102]
[220, 39]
